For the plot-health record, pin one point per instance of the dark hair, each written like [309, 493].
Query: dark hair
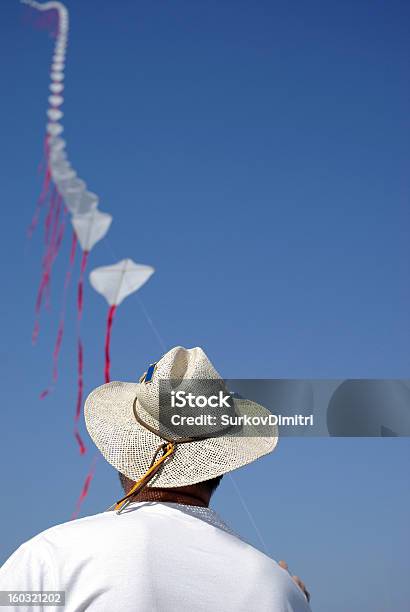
[210, 485]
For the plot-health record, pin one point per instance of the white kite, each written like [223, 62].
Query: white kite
[115, 283]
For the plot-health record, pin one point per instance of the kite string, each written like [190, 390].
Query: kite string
[151, 324]
[249, 513]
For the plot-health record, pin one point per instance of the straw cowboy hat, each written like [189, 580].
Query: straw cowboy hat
[123, 420]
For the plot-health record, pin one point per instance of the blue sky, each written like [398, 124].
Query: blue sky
[256, 154]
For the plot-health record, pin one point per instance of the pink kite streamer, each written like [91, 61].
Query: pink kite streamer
[60, 331]
[54, 232]
[80, 349]
[44, 190]
[110, 318]
[86, 487]
[90, 475]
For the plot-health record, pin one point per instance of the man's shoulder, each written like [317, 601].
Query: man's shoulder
[69, 531]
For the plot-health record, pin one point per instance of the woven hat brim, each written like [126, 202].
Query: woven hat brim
[129, 447]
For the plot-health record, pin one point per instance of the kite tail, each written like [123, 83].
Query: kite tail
[80, 442]
[44, 190]
[48, 222]
[60, 331]
[46, 193]
[72, 257]
[40, 293]
[80, 350]
[56, 352]
[80, 290]
[54, 239]
[59, 236]
[58, 230]
[110, 318]
[86, 487]
[53, 244]
[80, 386]
[44, 280]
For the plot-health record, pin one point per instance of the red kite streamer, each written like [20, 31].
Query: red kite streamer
[111, 313]
[86, 487]
[44, 190]
[60, 331]
[80, 352]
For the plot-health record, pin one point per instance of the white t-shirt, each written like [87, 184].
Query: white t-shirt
[154, 557]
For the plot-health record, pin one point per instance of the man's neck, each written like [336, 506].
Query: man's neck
[189, 498]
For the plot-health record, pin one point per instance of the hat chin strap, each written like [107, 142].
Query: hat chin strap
[168, 449]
